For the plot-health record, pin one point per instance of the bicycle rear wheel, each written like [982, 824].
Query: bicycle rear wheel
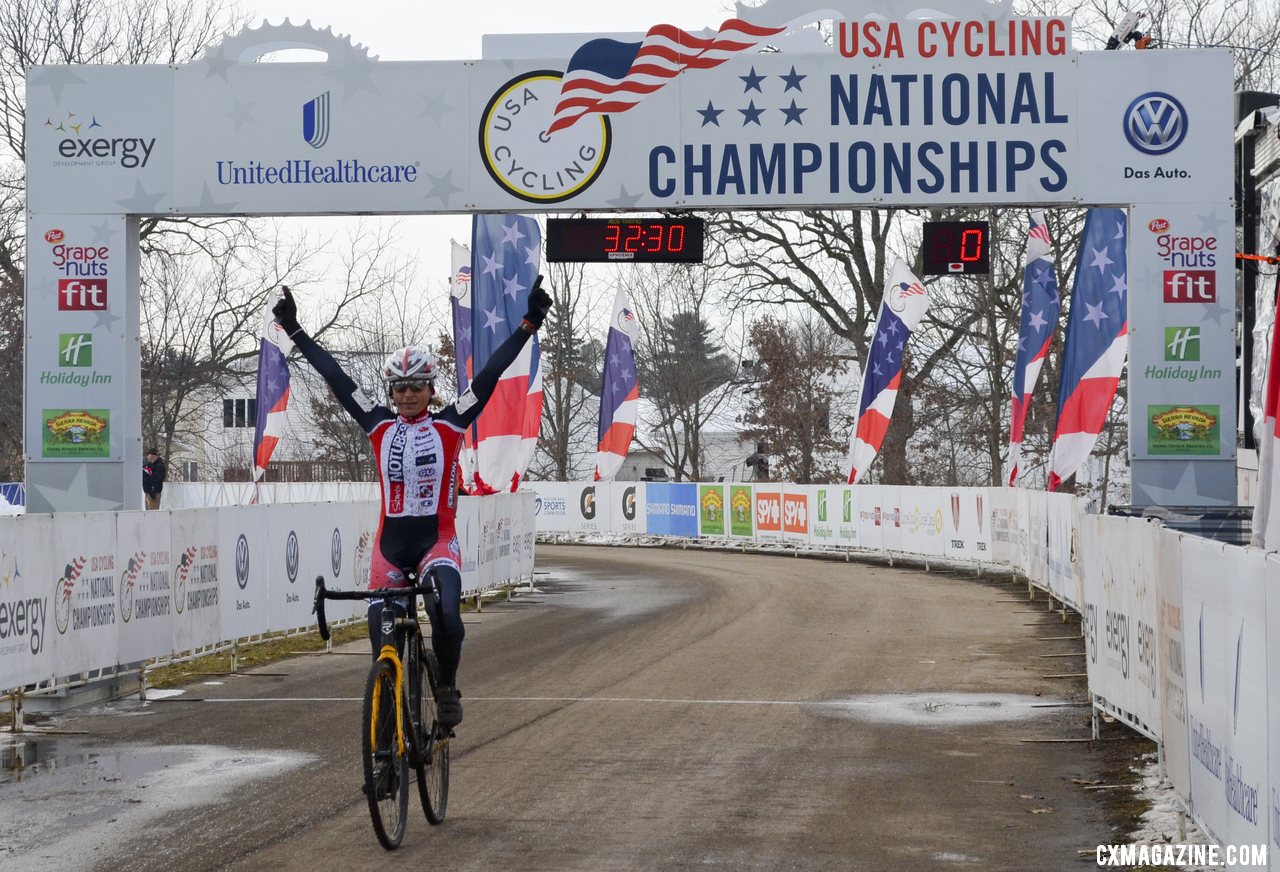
[433, 772]
[386, 765]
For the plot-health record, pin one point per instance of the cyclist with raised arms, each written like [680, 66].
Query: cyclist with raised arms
[417, 454]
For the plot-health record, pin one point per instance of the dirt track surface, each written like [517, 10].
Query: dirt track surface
[650, 709]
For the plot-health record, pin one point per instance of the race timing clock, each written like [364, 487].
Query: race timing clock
[957, 248]
[636, 240]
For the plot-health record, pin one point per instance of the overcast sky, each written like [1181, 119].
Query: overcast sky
[400, 30]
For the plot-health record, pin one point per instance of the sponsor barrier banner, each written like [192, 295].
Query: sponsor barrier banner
[1120, 618]
[85, 592]
[244, 549]
[848, 521]
[31, 589]
[1061, 512]
[590, 513]
[796, 513]
[1271, 580]
[193, 560]
[742, 511]
[87, 613]
[923, 522]
[467, 523]
[768, 512]
[1007, 535]
[1033, 516]
[868, 502]
[672, 509]
[297, 551]
[627, 512]
[551, 506]
[825, 517]
[712, 519]
[1225, 623]
[1172, 658]
[144, 584]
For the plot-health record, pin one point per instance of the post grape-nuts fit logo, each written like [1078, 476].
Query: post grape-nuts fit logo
[335, 552]
[242, 561]
[291, 557]
[1155, 123]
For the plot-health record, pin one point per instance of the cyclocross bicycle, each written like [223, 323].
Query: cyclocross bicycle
[398, 726]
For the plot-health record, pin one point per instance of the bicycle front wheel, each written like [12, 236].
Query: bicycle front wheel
[433, 768]
[386, 763]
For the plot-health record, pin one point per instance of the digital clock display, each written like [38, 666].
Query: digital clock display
[637, 240]
[957, 248]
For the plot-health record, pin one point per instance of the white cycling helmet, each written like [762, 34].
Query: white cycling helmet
[410, 362]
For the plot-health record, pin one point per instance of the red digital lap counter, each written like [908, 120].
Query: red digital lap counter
[637, 240]
[956, 248]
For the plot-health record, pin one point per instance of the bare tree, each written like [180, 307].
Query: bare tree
[570, 378]
[796, 365]
[680, 362]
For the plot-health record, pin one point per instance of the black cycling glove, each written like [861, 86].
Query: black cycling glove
[286, 311]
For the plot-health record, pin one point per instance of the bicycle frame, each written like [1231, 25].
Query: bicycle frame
[389, 623]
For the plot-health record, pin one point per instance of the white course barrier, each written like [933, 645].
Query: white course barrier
[87, 592]
[1182, 634]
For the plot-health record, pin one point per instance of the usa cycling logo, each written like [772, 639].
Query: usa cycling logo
[242, 561]
[291, 557]
[1155, 123]
[315, 121]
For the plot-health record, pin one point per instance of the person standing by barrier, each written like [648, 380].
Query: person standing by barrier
[417, 457]
[153, 472]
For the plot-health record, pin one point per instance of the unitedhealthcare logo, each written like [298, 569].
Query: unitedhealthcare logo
[315, 121]
[1235, 705]
[1155, 123]
[1202, 653]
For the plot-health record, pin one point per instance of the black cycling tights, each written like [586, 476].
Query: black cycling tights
[447, 631]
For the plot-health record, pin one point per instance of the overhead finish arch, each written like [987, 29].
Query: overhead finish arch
[982, 109]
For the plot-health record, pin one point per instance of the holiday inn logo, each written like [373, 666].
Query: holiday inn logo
[75, 349]
[1182, 343]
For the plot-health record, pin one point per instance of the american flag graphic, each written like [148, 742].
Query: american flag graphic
[460, 307]
[608, 76]
[1097, 342]
[273, 393]
[1035, 333]
[506, 252]
[619, 391]
[903, 307]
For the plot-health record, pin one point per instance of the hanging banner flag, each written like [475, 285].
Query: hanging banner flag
[1097, 341]
[505, 251]
[619, 390]
[903, 307]
[1035, 333]
[460, 306]
[1266, 521]
[608, 76]
[273, 393]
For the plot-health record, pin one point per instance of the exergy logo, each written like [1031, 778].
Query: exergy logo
[79, 146]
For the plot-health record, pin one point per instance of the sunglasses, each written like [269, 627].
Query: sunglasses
[415, 386]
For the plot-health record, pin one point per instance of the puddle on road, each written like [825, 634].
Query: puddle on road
[938, 709]
[619, 596]
[73, 800]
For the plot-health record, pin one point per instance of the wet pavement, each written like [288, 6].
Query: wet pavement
[644, 709]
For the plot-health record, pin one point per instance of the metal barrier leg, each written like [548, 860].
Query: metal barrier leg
[235, 655]
[1097, 722]
[15, 703]
[142, 684]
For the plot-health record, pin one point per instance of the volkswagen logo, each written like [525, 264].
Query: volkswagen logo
[242, 561]
[1155, 123]
[335, 552]
[291, 557]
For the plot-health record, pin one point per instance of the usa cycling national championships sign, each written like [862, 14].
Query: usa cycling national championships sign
[944, 112]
